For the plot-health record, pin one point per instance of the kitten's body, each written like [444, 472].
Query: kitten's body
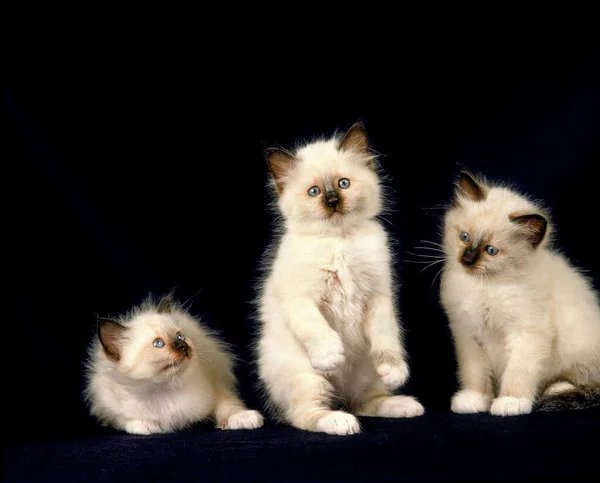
[524, 321]
[329, 332]
[139, 388]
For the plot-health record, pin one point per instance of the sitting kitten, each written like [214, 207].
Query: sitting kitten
[523, 320]
[157, 370]
[329, 330]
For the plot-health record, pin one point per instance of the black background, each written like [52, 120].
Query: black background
[139, 168]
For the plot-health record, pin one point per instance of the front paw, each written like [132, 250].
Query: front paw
[511, 406]
[401, 407]
[338, 422]
[393, 375]
[326, 353]
[245, 420]
[142, 426]
[467, 401]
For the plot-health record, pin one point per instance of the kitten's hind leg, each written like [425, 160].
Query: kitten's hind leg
[308, 406]
[231, 413]
[558, 387]
[141, 426]
[377, 401]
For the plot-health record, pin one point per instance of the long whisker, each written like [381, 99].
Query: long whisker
[431, 265]
[426, 256]
[424, 261]
[431, 248]
[432, 243]
[436, 276]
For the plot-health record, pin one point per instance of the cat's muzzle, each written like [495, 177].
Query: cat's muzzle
[470, 255]
[332, 199]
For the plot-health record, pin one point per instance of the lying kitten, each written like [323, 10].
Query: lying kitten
[524, 321]
[157, 370]
[329, 330]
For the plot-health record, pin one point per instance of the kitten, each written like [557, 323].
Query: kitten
[158, 370]
[524, 320]
[329, 331]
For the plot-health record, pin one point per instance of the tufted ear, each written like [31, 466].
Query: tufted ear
[280, 164]
[467, 187]
[355, 139]
[165, 305]
[112, 336]
[535, 227]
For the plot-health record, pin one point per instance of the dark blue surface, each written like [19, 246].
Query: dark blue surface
[435, 447]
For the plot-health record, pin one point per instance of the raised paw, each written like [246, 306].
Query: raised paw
[401, 407]
[338, 422]
[511, 406]
[467, 401]
[248, 419]
[326, 354]
[393, 375]
[142, 426]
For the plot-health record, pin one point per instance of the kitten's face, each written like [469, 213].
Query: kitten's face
[152, 345]
[329, 182]
[491, 231]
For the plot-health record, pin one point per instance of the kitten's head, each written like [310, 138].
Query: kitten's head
[331, 182]
[492, 230]
[153, 344]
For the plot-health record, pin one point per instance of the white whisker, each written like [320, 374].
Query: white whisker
[431, 265]
[431, 248]
[432, 243]
[434, 278]
[423, 261]
[426, 256]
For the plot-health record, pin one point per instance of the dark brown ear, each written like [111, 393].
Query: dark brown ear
[536, 226]
[468, 187]
[280, 164]
[355, 139]
[165, 305]
[111, 335]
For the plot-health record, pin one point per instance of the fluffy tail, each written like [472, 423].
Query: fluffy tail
[581, 397]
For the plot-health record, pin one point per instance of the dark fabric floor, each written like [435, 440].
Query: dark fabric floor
[436, 447]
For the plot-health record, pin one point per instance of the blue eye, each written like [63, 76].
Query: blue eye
[180, 336]
[158, 343]
[314, 191]
[344, 183]
[464, 236]
[492, 250]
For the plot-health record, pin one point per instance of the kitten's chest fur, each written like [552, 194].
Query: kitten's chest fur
[175, 402]
[348, 272]
[345, 271]
[487, 313]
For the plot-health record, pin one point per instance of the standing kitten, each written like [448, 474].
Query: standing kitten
[524, 321]
[157, 370]
[329, 330]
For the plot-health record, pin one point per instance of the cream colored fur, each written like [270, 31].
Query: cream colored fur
[524, 321]
[329, 332]
[143, 393]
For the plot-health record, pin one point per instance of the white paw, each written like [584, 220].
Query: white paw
[245, 420]
[325, 354]
[511, 406]
[393, 376]
[401, 407]
[338, 422]
[142, 426]
[467, 401]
